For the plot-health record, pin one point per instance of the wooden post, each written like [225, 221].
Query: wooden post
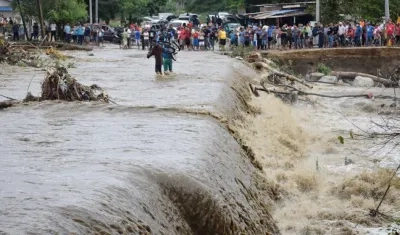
[39, 3]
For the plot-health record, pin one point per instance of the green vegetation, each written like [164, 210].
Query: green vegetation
[67, 11]
[370, 10]
[202, 6]
[241, 51]
[322, 68]
[59, 11]
[72, 11]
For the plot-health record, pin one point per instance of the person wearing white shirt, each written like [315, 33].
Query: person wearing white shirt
[129, 31]
[53, 30]
[341, 32]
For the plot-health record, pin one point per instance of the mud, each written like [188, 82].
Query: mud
[364, 60]
[162, 161]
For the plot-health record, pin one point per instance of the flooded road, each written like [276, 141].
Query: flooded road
[153, 163]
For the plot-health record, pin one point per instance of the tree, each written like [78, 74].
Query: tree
[60, 11]
[370, 10]
[155, 6]
[211, 6]
[67, 11]
[108, 9]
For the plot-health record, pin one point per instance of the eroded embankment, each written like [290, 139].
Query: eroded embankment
[298, 149]
[356, 59]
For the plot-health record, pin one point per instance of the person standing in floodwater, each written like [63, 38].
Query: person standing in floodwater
[157, 51]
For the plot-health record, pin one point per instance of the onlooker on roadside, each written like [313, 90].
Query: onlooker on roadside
[67, 31]
[35, 33]
[53, 31]
[15, 30]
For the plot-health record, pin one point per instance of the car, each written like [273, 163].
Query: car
[222, 15]
[177, 23]
[188, 16]
[164, 16]
[172, 17]
[147, 19]
[184, 17]
[231, 26]
[109, 32]
[156, 27]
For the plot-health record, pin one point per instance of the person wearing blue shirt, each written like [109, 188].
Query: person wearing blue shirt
[358, 35]
[81, 33]
[241, 37]
[137, 38]
[370, 34]
[167, 61]
[232, 37]
[75, 34]
[67, 31]
[270, 35]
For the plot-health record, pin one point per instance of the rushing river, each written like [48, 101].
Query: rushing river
[153, 163]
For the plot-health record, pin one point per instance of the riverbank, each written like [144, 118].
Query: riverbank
[320, 185]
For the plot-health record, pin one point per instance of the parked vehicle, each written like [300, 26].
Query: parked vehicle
[177, 23]
[222, 15]
[188, 16]
[231, 26]
[164, 16]
[157, 27]
[109, 32]
[172, 17]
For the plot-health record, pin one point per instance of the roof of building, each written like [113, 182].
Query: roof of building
[288, 3]
[6, 9]
[277, 14]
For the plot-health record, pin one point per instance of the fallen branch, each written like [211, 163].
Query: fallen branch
[7, 104]
[300, 92]
[373, 77]
[373, 213]
[7, 97]
[281, 74]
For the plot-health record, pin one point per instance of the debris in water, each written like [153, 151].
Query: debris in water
[13, 54]
[54, 53]
[59, 85]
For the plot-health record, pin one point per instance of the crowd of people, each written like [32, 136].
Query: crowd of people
[259, 37]
[341, 34]
[196, 36]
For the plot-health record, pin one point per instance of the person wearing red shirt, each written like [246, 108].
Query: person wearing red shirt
[182, 38]
[397, 32]
[390, 27]
[188, 34]
[196, 41]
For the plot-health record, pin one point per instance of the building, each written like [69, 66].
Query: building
[281, 13]
[5, 8]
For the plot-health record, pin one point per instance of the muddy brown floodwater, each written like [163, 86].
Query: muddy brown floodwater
[159, 162]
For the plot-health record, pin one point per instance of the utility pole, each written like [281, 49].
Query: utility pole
[39, 4]
[97, 11]
[387, 14]
[317, 11]
[90, 12]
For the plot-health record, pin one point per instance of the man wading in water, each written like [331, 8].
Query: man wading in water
[167, 61]
[157, 51]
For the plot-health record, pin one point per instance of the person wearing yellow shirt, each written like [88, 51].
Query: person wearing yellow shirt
[222, 38]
